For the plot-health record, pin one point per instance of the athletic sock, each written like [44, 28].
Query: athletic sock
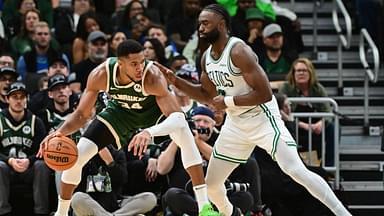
[201, 195]
[63, 207]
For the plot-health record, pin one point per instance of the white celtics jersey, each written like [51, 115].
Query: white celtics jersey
[229, 80]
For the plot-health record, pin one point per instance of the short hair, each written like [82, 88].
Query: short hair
[220, 10]
[157, 26]
[41, 24]
[127, 47]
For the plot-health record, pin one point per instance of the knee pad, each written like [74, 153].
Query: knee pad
[86, 150]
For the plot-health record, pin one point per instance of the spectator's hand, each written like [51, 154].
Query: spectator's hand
[14, 163]
[253, 34]
[218, 103]
[24, 163]
[151, 172]
[139, 143]
[43, 144]
[285, 116]
[106, 155]
[168, 73]
[317, 127]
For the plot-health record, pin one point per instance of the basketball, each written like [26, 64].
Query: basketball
[61, 153]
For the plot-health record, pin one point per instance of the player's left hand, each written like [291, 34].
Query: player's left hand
[218, 103]
[139, 143]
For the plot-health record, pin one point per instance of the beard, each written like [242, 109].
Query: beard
[211, 37]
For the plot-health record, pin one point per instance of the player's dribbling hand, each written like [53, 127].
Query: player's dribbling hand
[139, 143]
[168, 73]
[43, 144]
[218, 103]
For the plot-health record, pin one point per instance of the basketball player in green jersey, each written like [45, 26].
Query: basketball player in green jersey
[140, 96]
[233, 80]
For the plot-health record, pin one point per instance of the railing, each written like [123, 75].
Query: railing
[335, 168]
[370, 74]
[316, 4]
[344, 40]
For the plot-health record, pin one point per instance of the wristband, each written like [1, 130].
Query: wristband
[229, 101]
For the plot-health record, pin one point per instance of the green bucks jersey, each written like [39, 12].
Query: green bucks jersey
[15, 138]
[55, 120]
[130, 108]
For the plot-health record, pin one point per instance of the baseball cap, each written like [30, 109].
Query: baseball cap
[201, 110]
[272, 29]
[9, 70]
[96, 35]
[57, 59]
[188, 72]
[17, 86]
[55, 80]
[254, 13]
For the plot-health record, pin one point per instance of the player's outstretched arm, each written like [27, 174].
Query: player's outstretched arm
[203, 92]
[96, 82]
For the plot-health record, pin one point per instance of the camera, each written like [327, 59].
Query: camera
[192, 126]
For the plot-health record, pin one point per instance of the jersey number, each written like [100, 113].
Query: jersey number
[133, 106]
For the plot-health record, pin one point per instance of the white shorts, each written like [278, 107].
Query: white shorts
[239, 136]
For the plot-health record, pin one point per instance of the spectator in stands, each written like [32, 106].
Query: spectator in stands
[275, 60]
[67, 22]
[8, 76]
[177, 62]
[144, 20]
[238, 24]
[255, 22]
[21, 134]
[154, 51]
[6, 60]
[88, 22]
[99, 192]
[285, 112]
[184, 12]
[187, 72]
[23, 41]
[178, 200]
[97, 45]
[34, 64]
[158, 32]
[57, 111]
[130, 11]
[302, 82]
[40, 100]
[14, 10]
[114, 41]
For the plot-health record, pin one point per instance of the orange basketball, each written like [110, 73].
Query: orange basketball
[61, 153]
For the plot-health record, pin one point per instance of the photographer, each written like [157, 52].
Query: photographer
[243, 185]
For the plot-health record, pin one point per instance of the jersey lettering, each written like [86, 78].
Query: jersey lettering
[220, 79]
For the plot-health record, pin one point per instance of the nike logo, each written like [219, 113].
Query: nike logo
[5, 130]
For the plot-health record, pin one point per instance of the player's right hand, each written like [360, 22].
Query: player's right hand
[168, 73]
[43, 144]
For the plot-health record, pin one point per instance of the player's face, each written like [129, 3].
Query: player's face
[209, 24]
[17, 101]
[133, 66]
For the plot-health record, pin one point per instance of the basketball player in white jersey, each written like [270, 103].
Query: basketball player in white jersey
[233, 80]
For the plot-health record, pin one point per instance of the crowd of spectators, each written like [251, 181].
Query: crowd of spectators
[48, 49]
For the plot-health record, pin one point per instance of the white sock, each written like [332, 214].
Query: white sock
[201, 195]
[63, 207]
